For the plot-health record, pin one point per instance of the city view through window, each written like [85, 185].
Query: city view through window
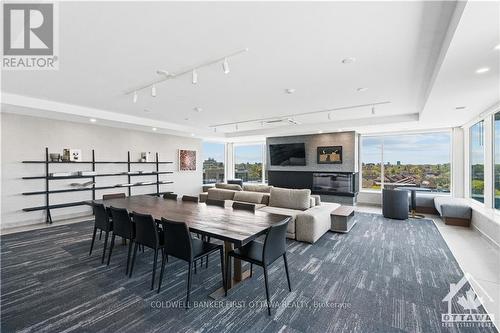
[248, 161]
[213, 162]
[414, 160]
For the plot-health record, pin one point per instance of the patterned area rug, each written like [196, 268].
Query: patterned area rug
[384, 276]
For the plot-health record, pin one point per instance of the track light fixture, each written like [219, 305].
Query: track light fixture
[194, 78]
[225, 66]
[373, 109]
[329, 116]
[153, 90]
[135, 96]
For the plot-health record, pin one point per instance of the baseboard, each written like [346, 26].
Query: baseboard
[11, 228]
[485, 236]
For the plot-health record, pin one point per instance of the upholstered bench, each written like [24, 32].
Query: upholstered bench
[454, 211]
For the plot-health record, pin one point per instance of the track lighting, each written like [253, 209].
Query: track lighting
[373, 109]
[215, 129]
[135, 96]
[194, 77]
[329, 116]
[236, 126]
[153, 90]
[225, 66]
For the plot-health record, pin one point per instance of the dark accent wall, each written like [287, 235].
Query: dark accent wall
[348, 141]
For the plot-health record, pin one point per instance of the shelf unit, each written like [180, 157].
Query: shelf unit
[47, 192]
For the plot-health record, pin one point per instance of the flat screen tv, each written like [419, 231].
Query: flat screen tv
[288, 154]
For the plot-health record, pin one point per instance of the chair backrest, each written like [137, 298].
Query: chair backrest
[215, 202]
[122, 224]
[189, 198]
[171, 196]
[177, 239]
[101, 217]
[275, 243]
[146, 231]
[113, 196]
[395, 204]
[244, 206]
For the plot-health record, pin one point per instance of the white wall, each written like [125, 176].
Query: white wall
[25, 138]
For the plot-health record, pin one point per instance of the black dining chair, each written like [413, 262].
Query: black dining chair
[170, 196]
[180, 244]
[189, 198]
[264, 254]
[148, 235]
[103, 223]
[109, 197]
[123, 227]
[244, 206]
[215, 202]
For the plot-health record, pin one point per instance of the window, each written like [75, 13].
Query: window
[248, 163]
[496, 158]
[477, 161]
[213, 162]
[421, 160]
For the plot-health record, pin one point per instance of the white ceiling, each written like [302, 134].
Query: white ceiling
[401, 51]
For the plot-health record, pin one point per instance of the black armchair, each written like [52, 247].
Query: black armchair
[103, 223]
[395, 204]
[122, 226]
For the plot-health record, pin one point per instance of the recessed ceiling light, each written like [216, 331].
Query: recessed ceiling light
[320, 131]
[348, 60]
[154, 129]
[290, 90]
[362, 89]
[459, 107]
[186, 119]
[92, 120]
[497, 47]
[482, 70]
[192, 134]
[198, 109]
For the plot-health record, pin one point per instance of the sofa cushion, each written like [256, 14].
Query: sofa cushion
[284, 211]
[312, 202]
[290, 198]
[317, 199]
[313, 223]
[265, 198]
[251, 197]
[203, 196]
[234, 187]
[220, 194]
[257, 188]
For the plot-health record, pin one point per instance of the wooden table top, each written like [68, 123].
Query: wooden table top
[236, 226]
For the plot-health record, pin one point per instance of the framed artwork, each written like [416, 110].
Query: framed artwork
[330, 155]
[75, 155]
[187, 160]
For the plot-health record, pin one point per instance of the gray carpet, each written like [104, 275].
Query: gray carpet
[384, 276]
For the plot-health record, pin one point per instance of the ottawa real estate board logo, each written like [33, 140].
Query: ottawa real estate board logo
[30, 36]
[464, 306]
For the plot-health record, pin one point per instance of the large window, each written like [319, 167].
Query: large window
[213, 162]
[248, 162]
[496, 158]
[412, 160]
[477, 161]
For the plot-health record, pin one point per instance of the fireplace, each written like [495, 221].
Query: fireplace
[334, 183]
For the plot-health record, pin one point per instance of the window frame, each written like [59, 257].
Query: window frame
[224, 144]
[263, 156]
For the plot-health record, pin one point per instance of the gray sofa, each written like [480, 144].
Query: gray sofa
[454, 211]
[310, 216]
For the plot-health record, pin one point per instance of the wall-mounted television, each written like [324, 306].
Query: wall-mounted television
[288, 154]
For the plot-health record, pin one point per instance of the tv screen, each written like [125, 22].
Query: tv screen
[288, 154]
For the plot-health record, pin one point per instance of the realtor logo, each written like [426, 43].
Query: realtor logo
[468, 304]
[29, 36]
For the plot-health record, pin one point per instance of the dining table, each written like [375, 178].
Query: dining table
[234, 227]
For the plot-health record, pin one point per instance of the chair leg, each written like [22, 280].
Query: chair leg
[93, 240]
[267, 291]
[163, 257]
[189, 285]
[195, 267]
[286, 270]
[206, 265]
[222, 268]
[154, 269]
[251, 269]
[111, 248]
[105, 245]
[128, 255]
[136, 246]
[100, 235]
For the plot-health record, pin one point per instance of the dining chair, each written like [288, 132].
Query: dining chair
[108, 197]
[123, 227]
[170, 196]
[148, 235]
[103, 223]
[215, 202]
[189, 198]
[244, 206]
[264, 254]
[180, 244]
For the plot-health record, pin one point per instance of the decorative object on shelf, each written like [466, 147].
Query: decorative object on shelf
[147, 157]
[55, 157]
[187, 160]
[60, 174]
[75, 155]
[330, 155]
[87, 173]
[82, 185]
[65, 155]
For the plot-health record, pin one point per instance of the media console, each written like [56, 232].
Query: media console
[341, 187]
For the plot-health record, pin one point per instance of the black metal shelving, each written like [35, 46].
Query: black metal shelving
[47, 192]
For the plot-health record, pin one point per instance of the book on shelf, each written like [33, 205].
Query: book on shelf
[86, 184]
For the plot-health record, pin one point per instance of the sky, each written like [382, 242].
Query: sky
[242, 154]
[428, 148]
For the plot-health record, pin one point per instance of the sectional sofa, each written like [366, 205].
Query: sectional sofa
[310, 216]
